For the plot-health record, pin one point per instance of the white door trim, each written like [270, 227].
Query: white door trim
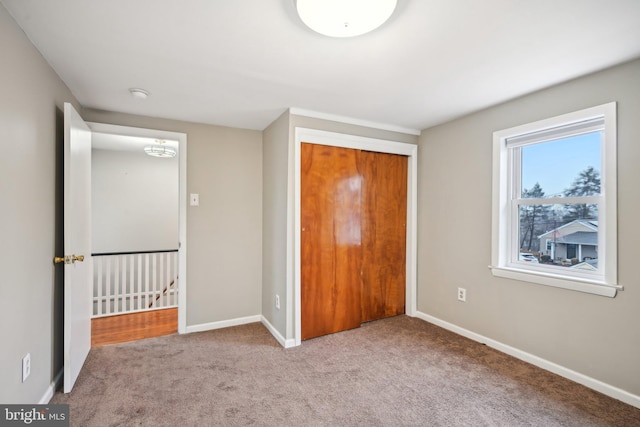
[182, 195]
[315, 136]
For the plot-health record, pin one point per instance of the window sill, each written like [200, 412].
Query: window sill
[590, 287]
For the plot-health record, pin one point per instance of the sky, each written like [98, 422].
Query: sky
[556, 164]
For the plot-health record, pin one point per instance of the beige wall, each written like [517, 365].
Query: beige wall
[275, 149]
[31, 135]
[224, 233]
[593, 335]
[134, 201]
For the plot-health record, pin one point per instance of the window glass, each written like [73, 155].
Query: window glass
[554, 240]
[553, 168]
[565, 167]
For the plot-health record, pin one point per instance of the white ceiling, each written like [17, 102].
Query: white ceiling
[242, 63]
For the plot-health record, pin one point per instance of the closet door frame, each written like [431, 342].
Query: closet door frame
[314, 136]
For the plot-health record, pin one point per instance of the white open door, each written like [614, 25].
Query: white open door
[78, 274]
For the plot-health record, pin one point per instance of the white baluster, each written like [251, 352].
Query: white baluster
[158, 282]
[116, 283]
[99, 286]
[131, 264]
[155, 279]
[167, 280]
[108, 283]
[175, 278]
[140, 306]
[125, 293]
[146, 281]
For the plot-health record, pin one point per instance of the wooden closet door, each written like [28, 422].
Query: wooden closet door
[384, 215]
[330, 240]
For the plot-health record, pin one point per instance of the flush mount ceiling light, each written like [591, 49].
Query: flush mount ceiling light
[160, 149]
[139, 93]
[344, 18]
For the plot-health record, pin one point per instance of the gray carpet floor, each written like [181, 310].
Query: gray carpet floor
[399, 371]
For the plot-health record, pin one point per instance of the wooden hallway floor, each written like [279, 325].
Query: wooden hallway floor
[134, 326]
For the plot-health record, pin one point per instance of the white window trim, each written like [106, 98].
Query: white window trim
[605, 282]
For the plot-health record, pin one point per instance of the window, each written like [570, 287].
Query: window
[554, 202]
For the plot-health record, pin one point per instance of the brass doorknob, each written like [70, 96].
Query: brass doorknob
[68, 259]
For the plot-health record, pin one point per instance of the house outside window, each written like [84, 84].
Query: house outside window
[576, 241]
[554, 198]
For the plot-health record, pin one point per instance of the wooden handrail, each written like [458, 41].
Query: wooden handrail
[164, 292]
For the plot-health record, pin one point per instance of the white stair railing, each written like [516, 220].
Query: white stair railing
[134, 281]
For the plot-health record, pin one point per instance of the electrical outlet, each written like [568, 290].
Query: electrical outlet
[278, 302]
[462, 294]
[26, 367]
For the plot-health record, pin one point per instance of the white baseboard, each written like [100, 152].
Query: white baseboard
[223, 324]
[586, 381]
[55, 384]
[286, 343]
[243, 321]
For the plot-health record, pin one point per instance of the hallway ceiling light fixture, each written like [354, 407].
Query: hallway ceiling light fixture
[344, 18]
[160, 150]
[139, 93]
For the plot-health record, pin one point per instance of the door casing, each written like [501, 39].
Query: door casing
[182, 195]
[315, 136]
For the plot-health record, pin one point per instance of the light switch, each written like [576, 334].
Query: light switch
[194, 199]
